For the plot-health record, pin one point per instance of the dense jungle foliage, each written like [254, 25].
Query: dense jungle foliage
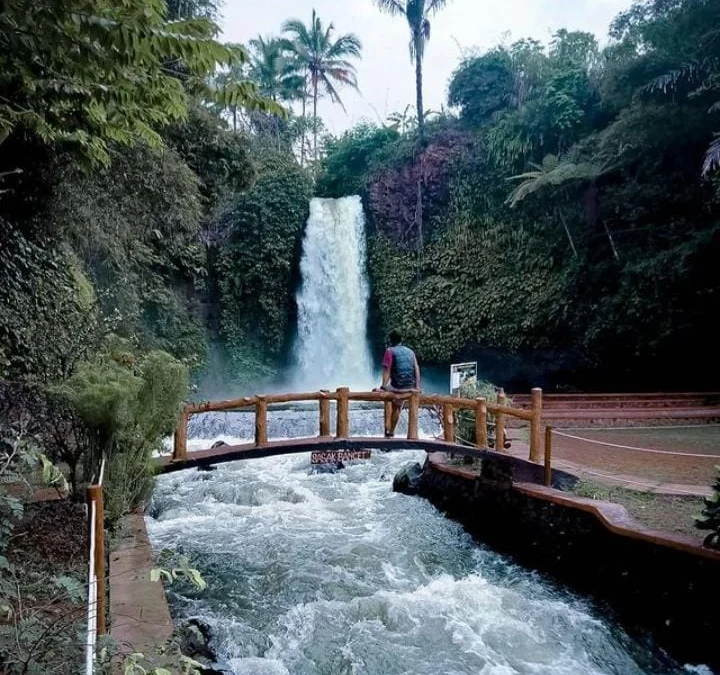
[561, 224]
[568, 229]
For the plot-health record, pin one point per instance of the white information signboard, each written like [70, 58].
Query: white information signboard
[461, 373]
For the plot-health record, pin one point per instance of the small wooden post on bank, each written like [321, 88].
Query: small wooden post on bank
[535, 426]
[448, 422]
[548, 456]
[261, 432]
[481, 439]
[343, 411]
[324, 414]
[500, 424]
[413, 416]
[180, 440]
[95, 497]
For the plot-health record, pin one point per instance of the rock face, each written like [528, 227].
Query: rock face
[196, 642]
[409, 479]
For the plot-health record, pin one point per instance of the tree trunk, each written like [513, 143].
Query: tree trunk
[567, 232]
[304, 122]
[235, 118]
[418, 38]
[315, 126]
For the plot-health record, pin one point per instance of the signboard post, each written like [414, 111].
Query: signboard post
[460, 374]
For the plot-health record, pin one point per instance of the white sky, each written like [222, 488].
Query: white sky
[385, 74]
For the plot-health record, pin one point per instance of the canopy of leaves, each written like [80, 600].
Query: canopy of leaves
[92, 72]
[350, 158]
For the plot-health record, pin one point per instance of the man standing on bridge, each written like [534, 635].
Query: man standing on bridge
[401, 373]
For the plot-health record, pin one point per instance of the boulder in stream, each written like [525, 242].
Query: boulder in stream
[409, 479]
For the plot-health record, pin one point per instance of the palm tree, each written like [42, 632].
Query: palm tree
[701, 76]
[323, 59]
[417, 13]
[554, 172]
[273, 69]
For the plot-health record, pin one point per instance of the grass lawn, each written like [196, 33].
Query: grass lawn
[661, 512]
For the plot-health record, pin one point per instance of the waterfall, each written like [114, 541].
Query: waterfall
[332, 347]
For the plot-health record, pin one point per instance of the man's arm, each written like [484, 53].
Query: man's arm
[417, 374]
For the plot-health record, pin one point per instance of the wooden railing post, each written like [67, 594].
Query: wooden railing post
[448, 422]
[548, 456]
[413, 416]
[95, 496]
[180, 441]
[343, 411]
[324, 414]
[535, 426]
[261, 433]
[481, 439]
[387, 414]
[500, 424]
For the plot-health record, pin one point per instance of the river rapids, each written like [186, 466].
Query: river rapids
[334, 574]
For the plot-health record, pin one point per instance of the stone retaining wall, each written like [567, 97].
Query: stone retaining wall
[666, 585]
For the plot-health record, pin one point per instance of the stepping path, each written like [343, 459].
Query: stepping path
[139, 615]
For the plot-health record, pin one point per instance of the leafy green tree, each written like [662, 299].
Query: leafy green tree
[178, 10]
[91, 72]
[349, 160]
[418, 14]
[326, 60]
[483, 86]
[220, 158]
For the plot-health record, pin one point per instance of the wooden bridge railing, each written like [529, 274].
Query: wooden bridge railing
[343, 396]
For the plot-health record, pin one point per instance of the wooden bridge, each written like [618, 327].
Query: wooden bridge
[447, 408]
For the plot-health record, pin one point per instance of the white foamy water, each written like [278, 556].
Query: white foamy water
[332, 349]
[334, 574]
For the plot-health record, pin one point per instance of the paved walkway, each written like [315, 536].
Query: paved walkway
[139, 615]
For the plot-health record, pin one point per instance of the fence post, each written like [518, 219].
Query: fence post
[343, 410]
[180, 441]
[500, 424]
[324, 413]
[548, 456]
[261, 434]
[413, 416]
[481, 439]
[95, 495]
[448, 422]
[535, 426]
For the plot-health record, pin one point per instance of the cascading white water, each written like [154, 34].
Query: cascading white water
[332, 347]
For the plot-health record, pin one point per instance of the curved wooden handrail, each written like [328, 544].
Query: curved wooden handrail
[343, 397]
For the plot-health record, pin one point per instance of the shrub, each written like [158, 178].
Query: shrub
[466, 418]
[711, 516]
[128, 404]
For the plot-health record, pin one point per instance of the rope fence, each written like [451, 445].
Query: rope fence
[630, 447]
